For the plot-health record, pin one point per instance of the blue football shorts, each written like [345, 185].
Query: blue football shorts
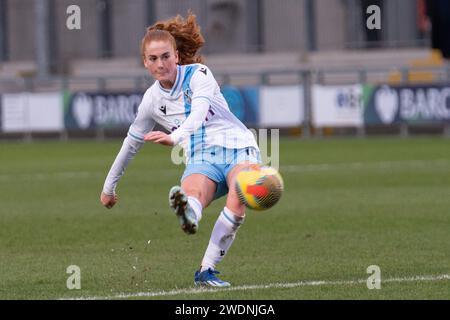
[216, 162]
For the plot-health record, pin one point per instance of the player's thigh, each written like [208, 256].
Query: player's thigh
[233, 203]
[199, 186]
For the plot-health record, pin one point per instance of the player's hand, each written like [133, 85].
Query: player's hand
[108, 200]
[159, 137]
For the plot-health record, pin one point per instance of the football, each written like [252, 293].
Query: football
[259, 187]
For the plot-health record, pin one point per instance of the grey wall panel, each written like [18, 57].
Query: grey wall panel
[21, 22]
[128, 27]
[284, 25]
[77, 44]
[330, 24]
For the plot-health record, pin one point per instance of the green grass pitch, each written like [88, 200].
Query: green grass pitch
[348, 204]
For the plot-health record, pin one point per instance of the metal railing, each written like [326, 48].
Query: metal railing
[305, 77]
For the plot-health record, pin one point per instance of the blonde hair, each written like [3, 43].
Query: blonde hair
[183, 34]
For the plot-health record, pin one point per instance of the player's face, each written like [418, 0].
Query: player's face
[161, 61]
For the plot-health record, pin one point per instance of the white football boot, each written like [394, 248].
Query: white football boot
[178, 201]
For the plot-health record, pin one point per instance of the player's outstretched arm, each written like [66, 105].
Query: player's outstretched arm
[108, 200]
[131, 145]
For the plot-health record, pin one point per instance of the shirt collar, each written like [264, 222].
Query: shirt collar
[178, 81]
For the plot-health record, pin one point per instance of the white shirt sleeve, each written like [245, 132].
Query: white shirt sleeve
[203, 86]
[142, 124]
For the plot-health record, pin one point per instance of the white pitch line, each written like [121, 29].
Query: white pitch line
[194, 291]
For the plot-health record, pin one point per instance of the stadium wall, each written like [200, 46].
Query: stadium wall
[230, 26]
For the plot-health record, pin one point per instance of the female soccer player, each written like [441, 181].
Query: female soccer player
[186, 100]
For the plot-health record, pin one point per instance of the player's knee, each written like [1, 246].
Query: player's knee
[193, 191]
[234, 204]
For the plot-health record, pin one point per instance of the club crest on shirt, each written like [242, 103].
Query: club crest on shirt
[188, 96]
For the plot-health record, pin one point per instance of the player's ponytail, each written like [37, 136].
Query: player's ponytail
[184, 34]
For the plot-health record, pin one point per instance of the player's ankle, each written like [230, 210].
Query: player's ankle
[204, 268]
